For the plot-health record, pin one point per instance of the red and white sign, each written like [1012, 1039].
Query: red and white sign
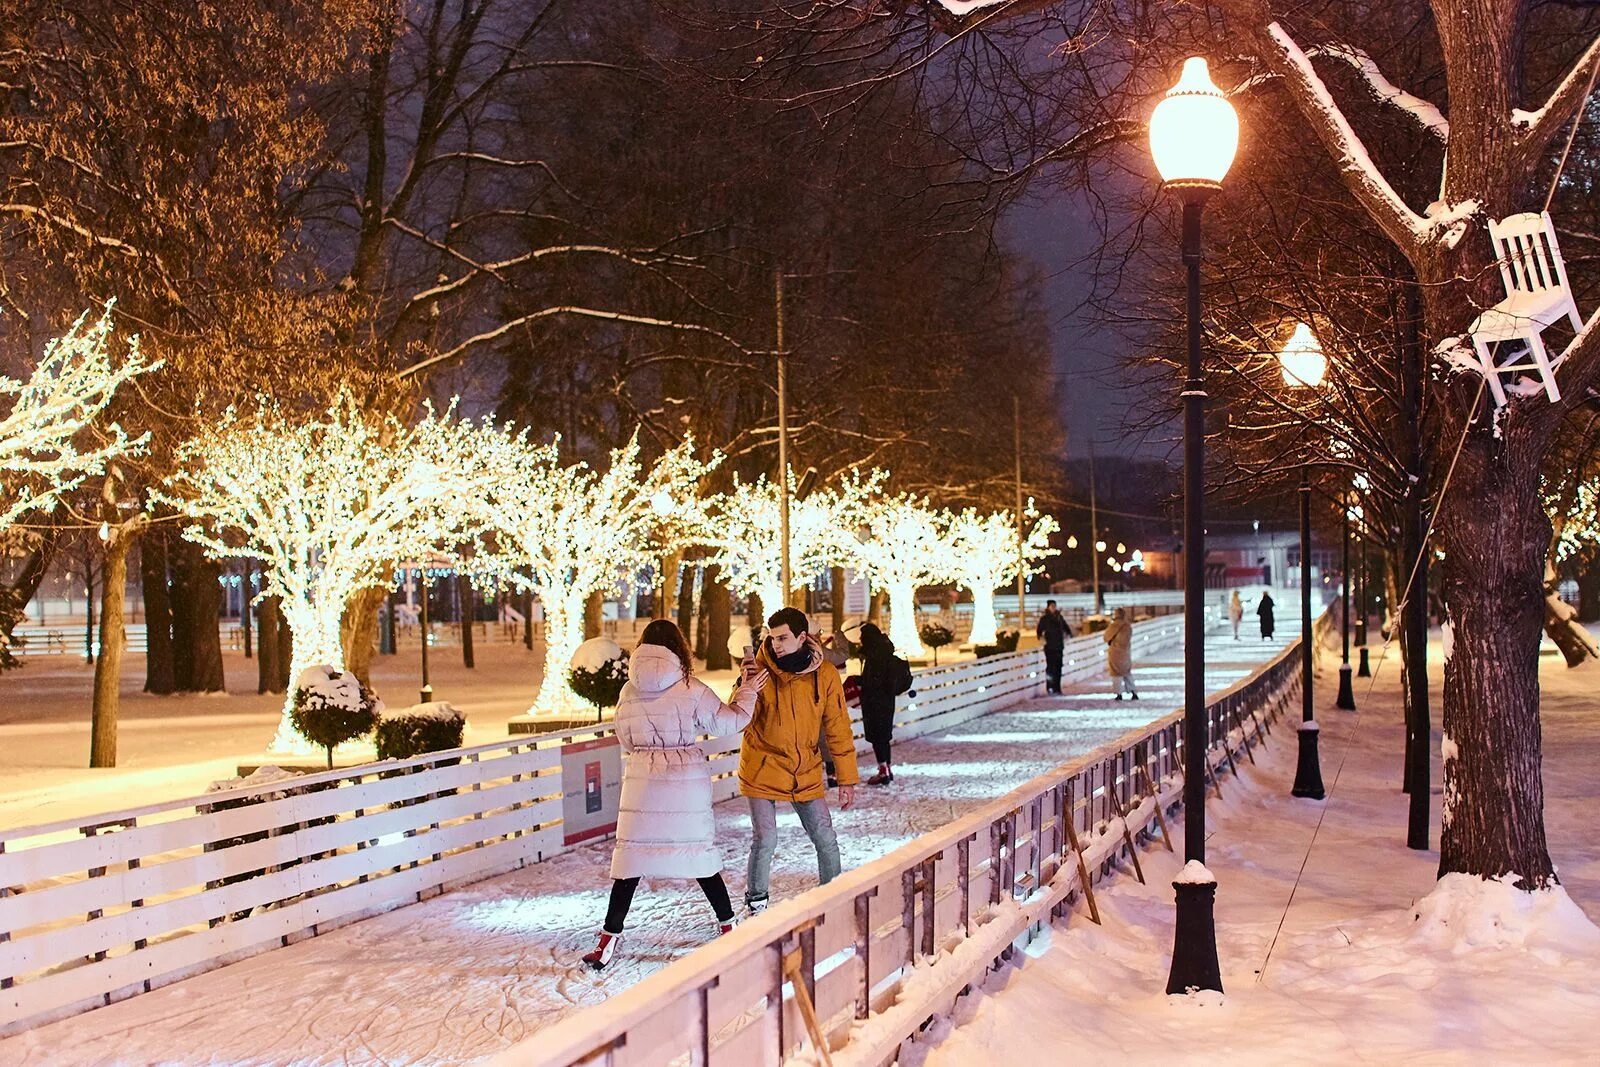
[591, 788]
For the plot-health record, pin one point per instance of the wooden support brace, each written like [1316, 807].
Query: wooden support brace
[1161, 816]
[802, 996]
[1127, 835]
[1083, 874]
[1249, 749]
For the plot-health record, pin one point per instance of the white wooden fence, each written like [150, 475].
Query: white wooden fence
[879, 948]
[94, 910]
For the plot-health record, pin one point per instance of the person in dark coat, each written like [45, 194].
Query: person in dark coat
[1264, 609]
[877, 698]
[1053, 631]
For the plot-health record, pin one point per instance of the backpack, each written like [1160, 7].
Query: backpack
[899, 675]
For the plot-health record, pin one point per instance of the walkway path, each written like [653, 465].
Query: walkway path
[464, 975]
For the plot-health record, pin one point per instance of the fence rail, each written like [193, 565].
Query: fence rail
[867, 954]
[100, 908]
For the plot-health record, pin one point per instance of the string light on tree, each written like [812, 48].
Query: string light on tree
[327, 503]
[985, 557]
[905, 545]
[567, 531]
[44, 431]
[743, 528]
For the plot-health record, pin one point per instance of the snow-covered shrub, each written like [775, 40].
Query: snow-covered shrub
[1005, 641]
[599, 671]
[430, 727]
[330, 708]
[260, 776]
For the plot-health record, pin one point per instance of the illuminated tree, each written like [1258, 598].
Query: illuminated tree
[568, 531]
[984, 556]
[326, 503]
[744, 529]
[43, 451]
[905, 545]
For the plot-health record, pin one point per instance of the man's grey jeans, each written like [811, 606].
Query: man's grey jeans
[818, 825]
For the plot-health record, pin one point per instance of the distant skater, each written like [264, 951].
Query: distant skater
[1264, 610]
[1053, 631]
[1119, 653]
[1235, 613]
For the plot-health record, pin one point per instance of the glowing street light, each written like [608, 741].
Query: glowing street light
[1194, 134]
[1302, 359]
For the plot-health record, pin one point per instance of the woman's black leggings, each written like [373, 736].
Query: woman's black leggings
[715, 888]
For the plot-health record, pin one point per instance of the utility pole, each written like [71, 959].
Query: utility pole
[1022, 555]
[1094, 535]
[783, 441]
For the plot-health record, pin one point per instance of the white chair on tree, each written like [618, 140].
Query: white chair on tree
[1537, 294]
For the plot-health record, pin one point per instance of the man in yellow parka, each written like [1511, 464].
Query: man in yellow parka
[780, 759]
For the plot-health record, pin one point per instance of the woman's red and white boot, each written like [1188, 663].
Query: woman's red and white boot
[603, 951]
[726, 928]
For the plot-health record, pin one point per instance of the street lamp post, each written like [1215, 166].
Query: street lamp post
[1194, 133]
[1303, 366]
[422, 590]
[1347, 691]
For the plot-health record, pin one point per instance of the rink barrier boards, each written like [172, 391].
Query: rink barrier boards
[882, 947]
[100, 908]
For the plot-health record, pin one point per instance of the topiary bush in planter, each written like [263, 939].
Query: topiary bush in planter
[599, 671]
[330, 707]
[413, 731]
[1005, 641]
[936, 635]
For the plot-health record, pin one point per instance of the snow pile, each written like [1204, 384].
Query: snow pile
[1465, 913]
[268, 775]
[595, 653]
[434, 709]
[338, 690]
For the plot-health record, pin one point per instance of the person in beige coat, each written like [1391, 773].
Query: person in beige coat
[1119, 653]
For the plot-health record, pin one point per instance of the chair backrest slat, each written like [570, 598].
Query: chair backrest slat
[1527, 254]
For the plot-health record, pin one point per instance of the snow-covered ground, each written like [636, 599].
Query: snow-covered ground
[466, 974]
[1352, 975]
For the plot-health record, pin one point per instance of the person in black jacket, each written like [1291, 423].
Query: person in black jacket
[1264, 610]
[1053, 631]
[877, 698]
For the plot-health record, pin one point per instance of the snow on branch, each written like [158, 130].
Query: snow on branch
[1404, 226]
[1538, 126]
[1424, 112]
[44, 447]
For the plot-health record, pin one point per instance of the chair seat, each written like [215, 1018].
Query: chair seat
[1521, 311]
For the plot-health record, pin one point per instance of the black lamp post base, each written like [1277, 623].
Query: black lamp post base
[1194, 940]
[1365, 670]
[427, 694]
[1308, 772]
[1347, 691]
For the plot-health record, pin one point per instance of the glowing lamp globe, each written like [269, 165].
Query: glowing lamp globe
[1302, 358]
[1194, 131]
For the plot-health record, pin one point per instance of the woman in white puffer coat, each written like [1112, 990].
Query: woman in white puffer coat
[665, 828]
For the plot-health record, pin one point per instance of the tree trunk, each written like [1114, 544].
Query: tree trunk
[280, 676]
[268, 620]
[686, 599]
[88, 606]
[15, 596]
[719, 620]
[469, 613]
[205, 630]
[358, 631]
[836, 579]
[245, 592]
[527, 619]
[113, 639]
[1419, 727]
[1589, 588]
[593, 615]
[671, 570]
[702, 630]
[1495, 535]
[181, 602]
[159, 670]
[875, 607]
